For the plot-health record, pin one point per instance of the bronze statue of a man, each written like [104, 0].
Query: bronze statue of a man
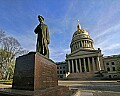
[43, 38]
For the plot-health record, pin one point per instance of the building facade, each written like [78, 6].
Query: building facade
[85, 62]
[61, 69]
[111, 64]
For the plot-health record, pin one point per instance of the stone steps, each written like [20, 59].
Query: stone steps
[83, 76]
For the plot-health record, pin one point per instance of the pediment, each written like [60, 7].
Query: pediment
[83, 52]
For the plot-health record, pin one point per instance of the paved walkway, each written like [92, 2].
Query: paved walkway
[94, 88]
[89, 88]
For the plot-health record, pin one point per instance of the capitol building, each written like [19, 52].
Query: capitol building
[85, 62]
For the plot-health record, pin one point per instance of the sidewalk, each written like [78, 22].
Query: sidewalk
[80, 93]
[96, 93]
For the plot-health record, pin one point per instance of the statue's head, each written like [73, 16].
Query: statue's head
[40, 18]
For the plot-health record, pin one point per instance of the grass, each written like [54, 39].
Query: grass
[7, 82]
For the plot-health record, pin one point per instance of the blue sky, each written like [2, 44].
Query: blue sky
[101, 18]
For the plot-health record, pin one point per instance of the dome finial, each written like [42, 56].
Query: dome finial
[78, 26]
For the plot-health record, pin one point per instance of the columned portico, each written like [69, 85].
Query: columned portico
[86, 64]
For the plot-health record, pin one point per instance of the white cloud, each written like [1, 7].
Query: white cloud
[58, 54]
[106, 31]
[112, 47]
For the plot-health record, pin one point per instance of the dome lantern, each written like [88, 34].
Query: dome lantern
[78, 26]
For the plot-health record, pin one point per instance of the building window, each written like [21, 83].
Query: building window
[60, 67]
[113, 63]
[61, 76]
[57, 67]
[113, 68]
[115, 75]
[64, 67]
[60, 72]
[107, 63]
[108, 69]
[63, 71]
[57, 72]
[110, 76]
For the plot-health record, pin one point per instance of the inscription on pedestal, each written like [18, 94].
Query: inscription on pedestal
[47, 73]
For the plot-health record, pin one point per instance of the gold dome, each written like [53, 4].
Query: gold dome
[79, 37]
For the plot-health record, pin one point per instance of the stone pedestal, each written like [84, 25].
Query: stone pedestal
[35, 75]
[34, 72]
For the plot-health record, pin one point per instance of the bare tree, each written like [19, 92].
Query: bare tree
[10, 49]
[2, 35]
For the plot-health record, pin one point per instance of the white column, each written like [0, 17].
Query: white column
[98, 63]
[72, 67]
[69, 66]
[88, 44]
[89, 64]
[84, 65]
[101, 62]
[76, 66]
[82, 43]
[80, 65]
[91, 45]
[79, 44]
[93, 63]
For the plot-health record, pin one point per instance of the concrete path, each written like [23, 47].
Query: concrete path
[94, 88]
[80, 93]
